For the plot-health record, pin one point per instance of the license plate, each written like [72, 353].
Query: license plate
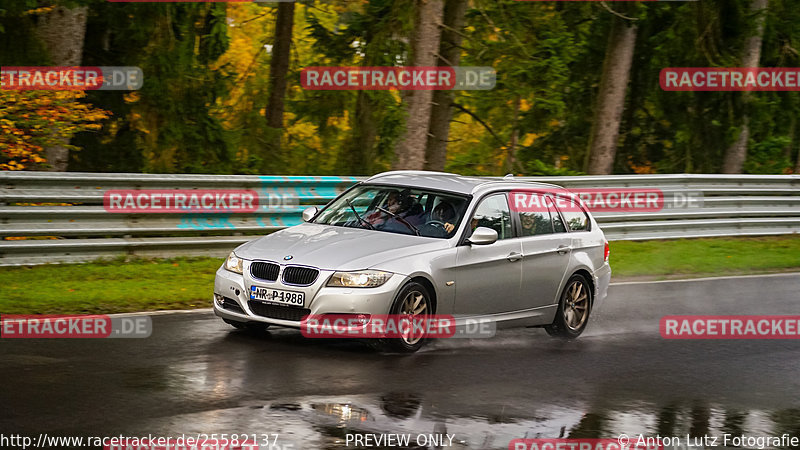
[277, 296]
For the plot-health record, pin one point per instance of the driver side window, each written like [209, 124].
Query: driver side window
[493, 212]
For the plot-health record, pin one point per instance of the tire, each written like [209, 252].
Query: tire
[574, 308]
[412, 295]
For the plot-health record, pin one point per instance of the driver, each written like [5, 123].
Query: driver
[444, 213]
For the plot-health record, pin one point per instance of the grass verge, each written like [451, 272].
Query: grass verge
[109, 286]
[695, 258]
[142, 285]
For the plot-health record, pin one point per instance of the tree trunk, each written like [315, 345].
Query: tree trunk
[410, 150]
[611, 97]
[441, 110]
[278, 70]
[797, 166]
[737, 153]
[511, 157]
[359, 159]
[788, 150]
[62, 31]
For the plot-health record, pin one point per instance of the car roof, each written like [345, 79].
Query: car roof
[453, 182]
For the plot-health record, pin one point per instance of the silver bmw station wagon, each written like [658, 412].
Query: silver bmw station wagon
[417, 243]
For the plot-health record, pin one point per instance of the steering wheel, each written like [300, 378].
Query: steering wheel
[437, 227]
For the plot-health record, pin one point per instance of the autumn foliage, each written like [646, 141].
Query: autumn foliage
[31, 121]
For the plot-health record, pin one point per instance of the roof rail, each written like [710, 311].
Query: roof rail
[411, 172]
[518, 180]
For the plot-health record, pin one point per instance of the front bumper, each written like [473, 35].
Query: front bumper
[319, 299]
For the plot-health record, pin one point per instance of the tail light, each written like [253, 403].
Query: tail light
[606, 251]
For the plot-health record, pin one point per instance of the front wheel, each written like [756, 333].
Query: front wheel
[573, 309]
[414, 301]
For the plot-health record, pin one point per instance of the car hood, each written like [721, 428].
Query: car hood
[336, 248]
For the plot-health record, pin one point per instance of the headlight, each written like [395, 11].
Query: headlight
[233, 263]
[364, 278]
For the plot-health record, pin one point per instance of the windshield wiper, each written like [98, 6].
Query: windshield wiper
[400, 219]
[360, 219]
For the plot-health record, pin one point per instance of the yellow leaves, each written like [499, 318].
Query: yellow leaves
[339, 121]
[12, 165]
[645, 168]
[303, 131]
[527, 141]
[33, 120]
[132, 97]
[524, 105]
[38, 11]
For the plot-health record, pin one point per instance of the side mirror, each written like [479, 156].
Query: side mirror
[309, 213]
[483, 236]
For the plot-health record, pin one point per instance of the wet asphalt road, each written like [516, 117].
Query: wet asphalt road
[195, 374]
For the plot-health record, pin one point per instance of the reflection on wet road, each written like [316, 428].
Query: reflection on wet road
[196, 375]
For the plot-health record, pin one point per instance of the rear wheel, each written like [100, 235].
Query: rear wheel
[413, 301]
[573, 309]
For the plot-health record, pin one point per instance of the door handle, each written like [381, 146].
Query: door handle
[514, 256]
[563, 249]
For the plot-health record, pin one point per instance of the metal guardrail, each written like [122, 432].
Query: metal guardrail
[62, 218]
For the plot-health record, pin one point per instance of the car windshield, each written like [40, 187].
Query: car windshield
[396, 210]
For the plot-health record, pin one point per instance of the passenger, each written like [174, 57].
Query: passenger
[414, 213]
[528, 224]
[392, 204]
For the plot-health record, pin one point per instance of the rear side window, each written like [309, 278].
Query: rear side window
[535, 223]
[540, 217]
[576, 220]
